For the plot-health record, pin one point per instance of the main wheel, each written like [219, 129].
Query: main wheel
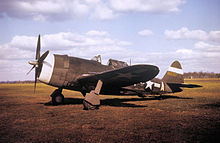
[57, 99]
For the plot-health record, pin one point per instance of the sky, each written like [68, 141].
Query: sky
[154, 32]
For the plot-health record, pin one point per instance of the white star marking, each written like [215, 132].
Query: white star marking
[149, 84]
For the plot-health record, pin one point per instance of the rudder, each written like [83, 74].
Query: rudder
[174, 73]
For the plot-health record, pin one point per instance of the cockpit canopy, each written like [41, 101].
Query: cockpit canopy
[117, 64]
[111, 62]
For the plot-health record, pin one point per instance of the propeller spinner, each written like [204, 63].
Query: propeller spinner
[38, 62]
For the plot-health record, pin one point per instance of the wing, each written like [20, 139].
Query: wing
[122, 77]
[190, 85]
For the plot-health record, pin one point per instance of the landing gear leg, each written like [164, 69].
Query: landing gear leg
[92, 100]
[57, 97]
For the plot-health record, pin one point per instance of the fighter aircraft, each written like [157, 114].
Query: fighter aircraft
[172, 82]
[87, 76]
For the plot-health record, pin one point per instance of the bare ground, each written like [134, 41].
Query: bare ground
[189, 116]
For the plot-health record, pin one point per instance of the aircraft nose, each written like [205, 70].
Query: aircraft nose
[47, 69]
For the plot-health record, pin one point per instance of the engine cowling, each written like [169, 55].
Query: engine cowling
[47, 69]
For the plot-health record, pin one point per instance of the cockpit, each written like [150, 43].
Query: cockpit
[111, 62]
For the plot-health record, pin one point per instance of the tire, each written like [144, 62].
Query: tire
[57, 99]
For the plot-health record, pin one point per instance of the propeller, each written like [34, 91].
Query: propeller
[38, 62]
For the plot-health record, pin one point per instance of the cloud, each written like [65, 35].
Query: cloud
[103, 12]
[53, 10]
[214, 36]
[97, 33]
[96, 42]
[15, 55]
[21, 49]
[124, 43]
[185, 33]
[145, 32]
[206, 47]
[204, 54]
[184, 51]
[18, 42]
[155, 6]
[57, 10]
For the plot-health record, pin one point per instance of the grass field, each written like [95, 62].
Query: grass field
[190, 116]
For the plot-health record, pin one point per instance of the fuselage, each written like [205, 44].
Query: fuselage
[64, 71]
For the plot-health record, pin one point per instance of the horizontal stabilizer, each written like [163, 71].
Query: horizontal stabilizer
[185, 85]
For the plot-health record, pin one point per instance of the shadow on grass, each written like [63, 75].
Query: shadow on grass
[215, 105]
[118, 102]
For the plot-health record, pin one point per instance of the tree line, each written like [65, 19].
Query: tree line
[190, 75]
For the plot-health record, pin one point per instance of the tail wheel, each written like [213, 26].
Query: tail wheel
[57, 99]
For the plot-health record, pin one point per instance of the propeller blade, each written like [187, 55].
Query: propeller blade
[40, 61]
[48, 64]
[38, 48]
[30, 70]
[37, 64]
[35, 79]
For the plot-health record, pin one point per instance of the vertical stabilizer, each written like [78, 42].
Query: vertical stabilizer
[174, 74]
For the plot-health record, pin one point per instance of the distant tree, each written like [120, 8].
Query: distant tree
[201, 75]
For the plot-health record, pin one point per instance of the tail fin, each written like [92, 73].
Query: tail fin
[174, 74]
